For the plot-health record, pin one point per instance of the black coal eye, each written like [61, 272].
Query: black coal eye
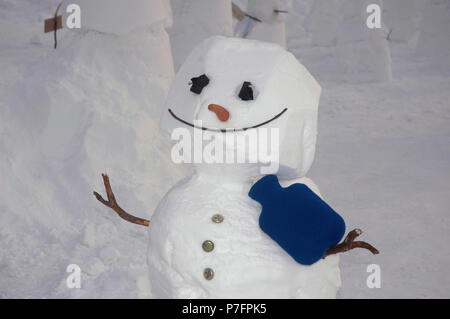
[199, 83]
[246, 92]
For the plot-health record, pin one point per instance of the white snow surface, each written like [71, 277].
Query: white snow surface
[360, 49]
[434, 39]
[119, 17]
[195, 21]
[382, 158]
[88, 107]
[403, 18]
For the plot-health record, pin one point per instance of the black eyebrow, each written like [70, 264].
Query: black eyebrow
[198, 83]
[246, 92]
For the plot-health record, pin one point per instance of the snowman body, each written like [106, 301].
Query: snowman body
[205, 240]
[246, 263]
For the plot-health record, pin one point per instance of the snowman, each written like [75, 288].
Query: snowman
[249, 229]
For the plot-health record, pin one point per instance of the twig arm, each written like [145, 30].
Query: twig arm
[56, 23]
[112, 203]
[349, 243]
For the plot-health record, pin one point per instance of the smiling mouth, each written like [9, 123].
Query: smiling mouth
[223, 130]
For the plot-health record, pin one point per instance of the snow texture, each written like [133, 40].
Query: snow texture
[403, 19]
[358, 50]
[323, 22]
[196, 20]
[382, 156]
[67, 115]
[116, 17]
[434, 40]
[272, 26]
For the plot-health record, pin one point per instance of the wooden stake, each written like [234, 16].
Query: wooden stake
[53, 24]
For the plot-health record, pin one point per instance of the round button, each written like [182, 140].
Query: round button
[208, 273]
[208, 246]
[217, 218]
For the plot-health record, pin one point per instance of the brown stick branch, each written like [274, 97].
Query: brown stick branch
[112, 203]
[349, 244]
[56, 23]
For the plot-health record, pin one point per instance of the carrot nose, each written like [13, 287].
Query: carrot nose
[220, 111]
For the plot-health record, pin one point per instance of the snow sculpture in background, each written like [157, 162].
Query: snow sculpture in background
[120, 72]
[360, 49]
[204, 237]
[144, 25]
[196, 20]
[119, 17]
[262, 20]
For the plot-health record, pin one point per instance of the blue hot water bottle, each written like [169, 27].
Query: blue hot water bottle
[297, 219]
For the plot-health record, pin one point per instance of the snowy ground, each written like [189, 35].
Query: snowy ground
[382, 161]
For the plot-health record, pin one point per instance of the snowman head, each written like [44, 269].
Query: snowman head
[234, 86]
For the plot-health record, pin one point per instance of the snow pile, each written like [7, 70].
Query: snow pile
[67, 115]
[116, 16]
[21, 23]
